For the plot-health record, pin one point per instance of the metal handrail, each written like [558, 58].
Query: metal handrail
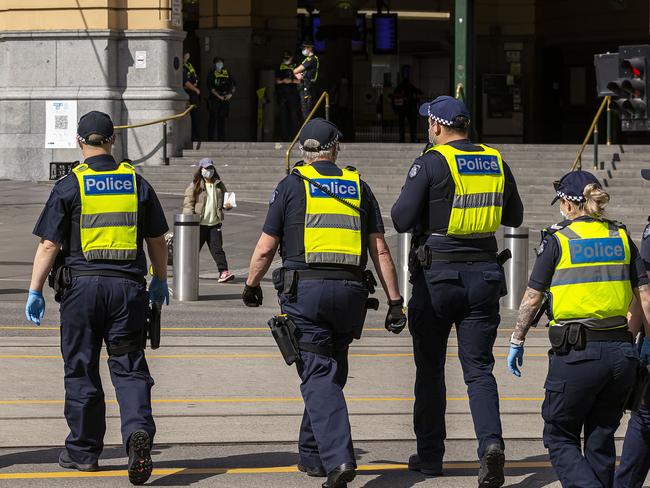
[162, 121]
[157, 121]
[324, 96]
[577, 163]
[460, 92]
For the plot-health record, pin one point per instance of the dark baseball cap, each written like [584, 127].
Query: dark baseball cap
[444, 110]
[572, 186]
[319, 134]
[95, 123]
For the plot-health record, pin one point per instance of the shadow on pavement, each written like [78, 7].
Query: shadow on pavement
[230, 296]
[538, 477]
[51, 456]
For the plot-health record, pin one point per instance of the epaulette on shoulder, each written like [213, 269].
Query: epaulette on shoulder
[352, 168]
[555, 228]
[618, 224]
[299, 163]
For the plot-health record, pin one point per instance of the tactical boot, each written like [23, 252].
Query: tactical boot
[140, 464]
[341, 476]
[65, 461]
[316, 472]
[430, 468]
[490, 474]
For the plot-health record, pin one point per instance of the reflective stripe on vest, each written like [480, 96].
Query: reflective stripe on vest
[332, 229]
[592, 277]
[109, 213]
[190, 69]
[477, 205]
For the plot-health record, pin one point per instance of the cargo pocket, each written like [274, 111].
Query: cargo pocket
[443, 276]
[553, 399]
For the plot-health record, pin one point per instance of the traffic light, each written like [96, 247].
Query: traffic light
[629, 91]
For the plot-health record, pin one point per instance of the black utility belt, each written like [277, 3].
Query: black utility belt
[426, 257]
[575, 336]
[330, 274]
[108, 273]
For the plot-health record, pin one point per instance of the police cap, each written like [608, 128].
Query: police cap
[95, 123]
[447, 111]
[319, 135]
[572, 186]
[307, 43]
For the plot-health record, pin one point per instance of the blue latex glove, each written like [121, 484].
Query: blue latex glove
[645, 350]
[515, 359]
[35, 308]
[159, 291]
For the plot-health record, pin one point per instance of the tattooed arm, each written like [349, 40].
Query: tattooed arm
[642, 295]
[529, 306]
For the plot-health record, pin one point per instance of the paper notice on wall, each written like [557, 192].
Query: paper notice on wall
[177, 13]
[229, 198]
[141, 59]
[61, 124]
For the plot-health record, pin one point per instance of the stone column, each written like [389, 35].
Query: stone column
[85, 50]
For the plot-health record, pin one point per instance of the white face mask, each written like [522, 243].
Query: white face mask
[218, 66]
[207, 173]
[305, 52]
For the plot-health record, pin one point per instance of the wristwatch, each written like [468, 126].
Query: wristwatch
[516, 342]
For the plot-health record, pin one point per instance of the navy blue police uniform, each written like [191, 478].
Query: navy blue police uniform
[190, 75]
[223, 83]
[312, 66]
[635, 458]
[448, 292]
[288, 99]
[107, 303]
[327, 312]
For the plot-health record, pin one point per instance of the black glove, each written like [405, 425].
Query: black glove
[252, 296]
[396, 316]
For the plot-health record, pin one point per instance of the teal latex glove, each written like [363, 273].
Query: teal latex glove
[159, 291]
[35, 308]
[645, 350]
[515, 359]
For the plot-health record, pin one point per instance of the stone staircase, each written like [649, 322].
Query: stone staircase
[253, 169]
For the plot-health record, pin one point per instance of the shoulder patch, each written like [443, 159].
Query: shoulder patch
[273, 197]
[646, 231]
[415, 169]
[542, 246]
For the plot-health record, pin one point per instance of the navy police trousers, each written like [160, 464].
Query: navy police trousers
[635, 458]
[587, 390]
[465, 294]
[326, 313]
[95, 310]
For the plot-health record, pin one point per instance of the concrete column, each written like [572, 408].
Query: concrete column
[85, 50]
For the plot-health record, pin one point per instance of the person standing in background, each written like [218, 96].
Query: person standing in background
[287, 96]
[191, 86]
[307, 73]
[222, 88]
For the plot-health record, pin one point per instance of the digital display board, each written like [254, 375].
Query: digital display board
[384, 28]
[358, 45]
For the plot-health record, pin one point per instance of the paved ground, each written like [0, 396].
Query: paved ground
[227, 408]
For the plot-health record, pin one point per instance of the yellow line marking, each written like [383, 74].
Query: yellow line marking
[267, 400]
[240, 471]
[248, 356]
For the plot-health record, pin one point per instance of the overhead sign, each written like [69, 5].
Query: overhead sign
[61, 124]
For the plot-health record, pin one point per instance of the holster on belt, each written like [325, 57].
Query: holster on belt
[636, 398]
[152, 330]
[283, 330]
[285, 281]
[566, 337]
[59, 278]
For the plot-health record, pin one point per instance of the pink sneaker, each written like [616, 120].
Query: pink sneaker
[225, 276]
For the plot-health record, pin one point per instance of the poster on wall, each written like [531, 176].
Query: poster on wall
[61, 124]
[177, 13]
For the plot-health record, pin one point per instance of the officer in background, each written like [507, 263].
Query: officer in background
[454, 199]
[324, 244]
[635, 458]
[222, 88]
[96, 219]
[191, 86]
[307, 74]
[287, 96]
[590, 268]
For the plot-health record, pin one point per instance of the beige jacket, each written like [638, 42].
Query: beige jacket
[196, 206]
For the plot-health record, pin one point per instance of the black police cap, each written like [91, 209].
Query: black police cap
[319, 135]
[572, 185]
[95, 123]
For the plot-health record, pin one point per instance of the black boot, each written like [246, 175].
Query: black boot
[140, 465]
[490, 474]
[341, 476]
[65, 461]
[430, 468]
[316, 472]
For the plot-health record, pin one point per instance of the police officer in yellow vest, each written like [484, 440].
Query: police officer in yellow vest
[325, 220]
[590, 269]
[92, 231]
[222, 88]
[455, 197]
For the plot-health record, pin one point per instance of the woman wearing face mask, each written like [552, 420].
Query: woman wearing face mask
[205, 197]
[222, 88]
[590, 269]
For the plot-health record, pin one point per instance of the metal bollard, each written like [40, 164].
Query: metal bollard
[186, 257]
[516, 239]
[403, 248]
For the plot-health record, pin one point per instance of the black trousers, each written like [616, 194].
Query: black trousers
[194, 115]
[306, 99]
[289, 109]
[212, 235]
[219, 110]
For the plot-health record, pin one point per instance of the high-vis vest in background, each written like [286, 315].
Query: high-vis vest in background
[592, 277]
[222, 81]
[109, 213]
[477, 205]
[332, 229]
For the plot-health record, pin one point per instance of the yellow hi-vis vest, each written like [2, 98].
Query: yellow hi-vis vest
[332, 229]
[477, 206]
[592, 277]
[109, 213]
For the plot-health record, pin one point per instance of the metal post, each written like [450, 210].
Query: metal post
[403, 275]
[609, 122]
[164, 129]
[596, 147]
[516, 239]
[186, 257]
[463, 49]
[327, 107]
